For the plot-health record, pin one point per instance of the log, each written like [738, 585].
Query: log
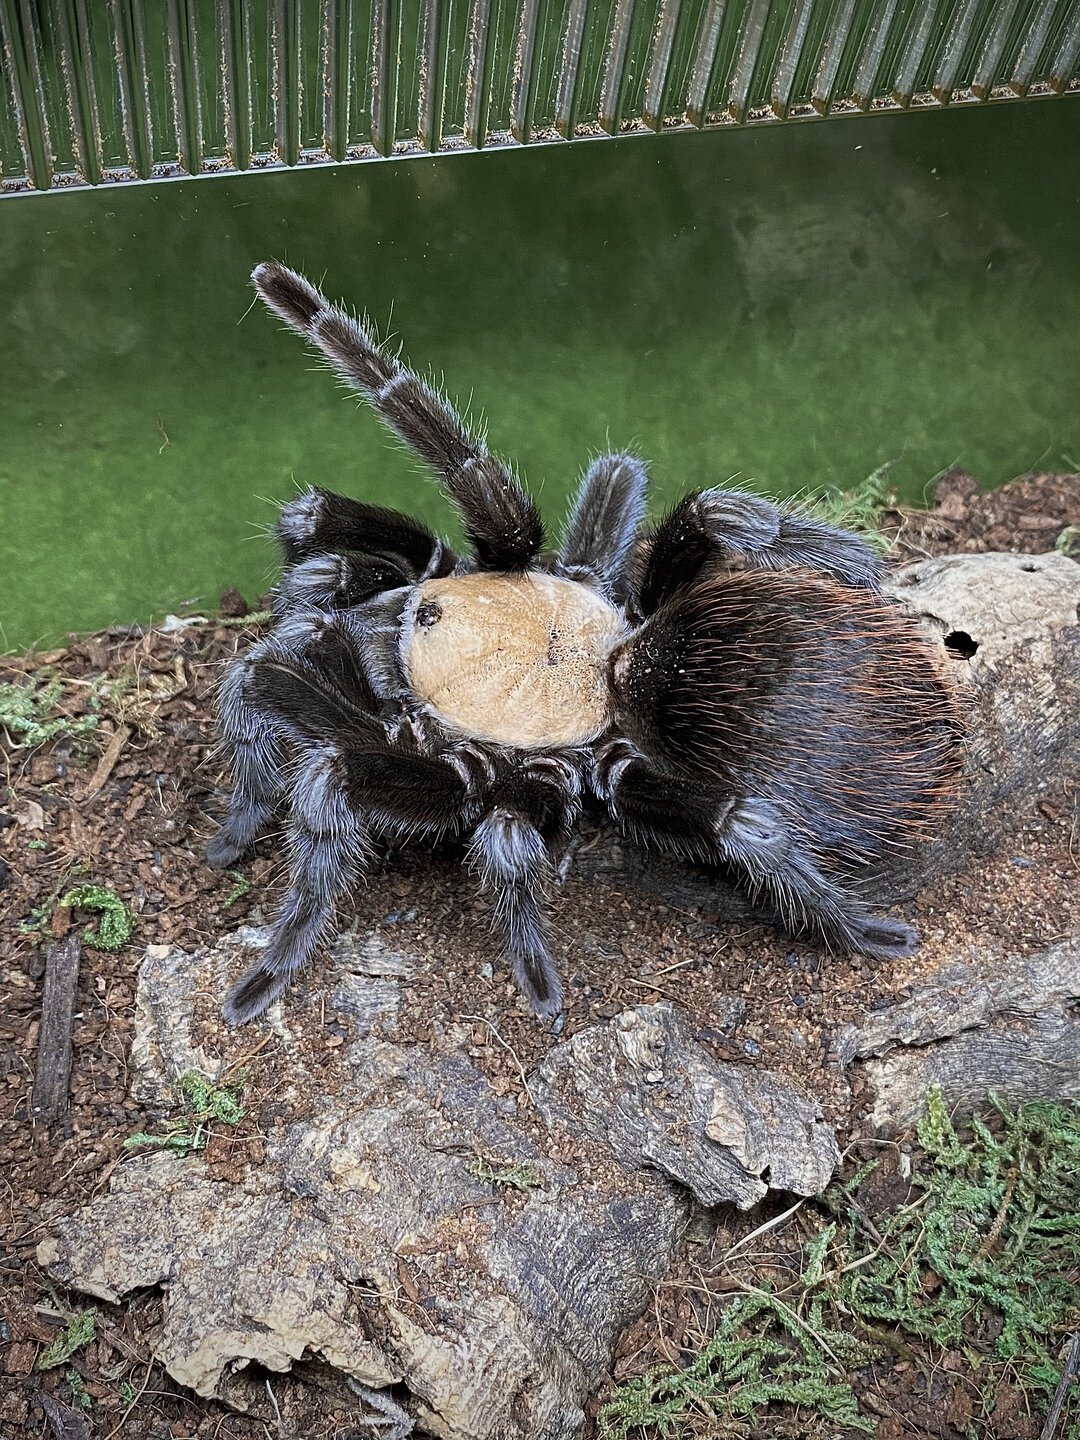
[993, 1024]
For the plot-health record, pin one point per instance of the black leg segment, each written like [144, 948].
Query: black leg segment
[603, 525]
[501, 520]
[710, 527]
[318, 522]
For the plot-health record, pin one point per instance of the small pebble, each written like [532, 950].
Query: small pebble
[752, 1048]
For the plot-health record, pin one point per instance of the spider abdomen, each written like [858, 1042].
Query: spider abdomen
[825, 701]
[520, 660]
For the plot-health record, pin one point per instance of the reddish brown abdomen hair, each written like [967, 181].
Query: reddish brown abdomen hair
[827, 701]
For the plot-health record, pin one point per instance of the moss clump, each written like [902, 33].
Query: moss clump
[859, 508]
[26, 713]
[117, 921]
[204, 1105]
[522, 1176]
[984, 1260]
[79, 1331]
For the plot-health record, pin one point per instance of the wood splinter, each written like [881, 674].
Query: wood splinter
[53, 1071]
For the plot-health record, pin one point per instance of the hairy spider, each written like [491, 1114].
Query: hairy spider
[728, 682]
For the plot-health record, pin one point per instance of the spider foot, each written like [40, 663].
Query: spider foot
[879, 937]
[224, 850]
[253, 994]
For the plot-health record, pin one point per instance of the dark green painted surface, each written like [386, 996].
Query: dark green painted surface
[790, 306]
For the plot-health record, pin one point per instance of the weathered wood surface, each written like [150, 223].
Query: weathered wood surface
[998, 1026]
[369, 1238]
[52, 1072]
[1021, 686]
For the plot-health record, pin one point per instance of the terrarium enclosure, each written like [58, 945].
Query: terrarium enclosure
[802, 247]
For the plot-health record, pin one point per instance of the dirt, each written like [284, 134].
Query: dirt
[131, 806]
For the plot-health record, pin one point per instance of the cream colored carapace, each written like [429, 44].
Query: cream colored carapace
[518, 659]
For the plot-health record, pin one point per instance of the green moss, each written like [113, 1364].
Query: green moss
[79, 1331]
[522, 1176]
[117, 921]
[984, 1260]
[27, 713]
[859, 508]
[204, 1105]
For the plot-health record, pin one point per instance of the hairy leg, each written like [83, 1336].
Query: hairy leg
[318, 522]
[603, 524]
[703, 824]
[782, 870]
[501, 521]
[327, 849]
[710, 526]
[258, 750]
[305, 681]
[336, 582]
[657, 810]
[339, 800]
[512, 851]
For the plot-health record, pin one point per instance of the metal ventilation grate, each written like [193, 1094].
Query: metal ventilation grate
[100, 91]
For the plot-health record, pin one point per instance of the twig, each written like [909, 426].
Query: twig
[123, 1418]
[762, 1230]
[53, 1070]
[657, 989]
[109, 757]
[794, 1316]
[509, 1049]
[1068, 1375]
[996, 1228]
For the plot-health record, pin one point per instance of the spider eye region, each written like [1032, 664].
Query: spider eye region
[520, 660]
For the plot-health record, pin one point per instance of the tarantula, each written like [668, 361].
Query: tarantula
[728, 682]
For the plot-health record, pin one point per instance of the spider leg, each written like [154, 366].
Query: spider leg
[336, 582]
[656, 809]
[319, 521]
[511, 851]
[304, 682]
[339, 800]
[501, 521]
[710, 526]
[257, 749]
[328, 847]
[780, 865]
[603, 524]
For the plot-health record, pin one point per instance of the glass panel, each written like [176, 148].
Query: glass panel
[792, 305]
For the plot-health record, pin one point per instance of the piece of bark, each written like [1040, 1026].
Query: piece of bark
[52, 1074]
[993, 1025]
[1011, 624]
[377, 1236]
[64, 1422]
[643, 1086]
